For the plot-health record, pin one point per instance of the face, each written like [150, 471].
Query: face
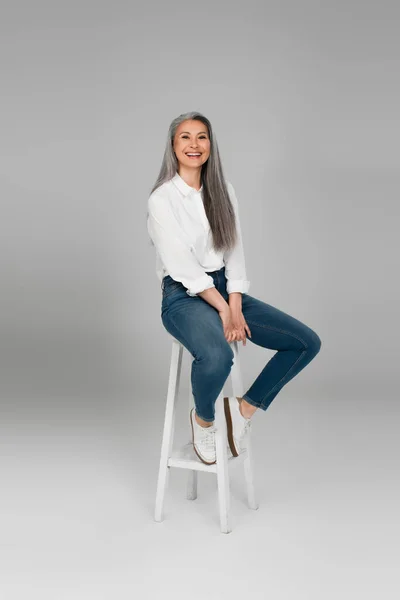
[191, 137]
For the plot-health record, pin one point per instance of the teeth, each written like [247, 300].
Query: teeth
[193, 154]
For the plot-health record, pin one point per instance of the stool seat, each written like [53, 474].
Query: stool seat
[184, 457]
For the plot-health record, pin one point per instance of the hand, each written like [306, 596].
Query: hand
[226, 318]
[239, 324]
[234, 325]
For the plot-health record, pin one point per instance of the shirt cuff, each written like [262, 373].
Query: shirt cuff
[237, 285]
[199, 285]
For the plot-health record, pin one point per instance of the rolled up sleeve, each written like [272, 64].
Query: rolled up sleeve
[235, 267]
[177, 256]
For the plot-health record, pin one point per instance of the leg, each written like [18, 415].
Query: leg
[295, 342]
[197, 325]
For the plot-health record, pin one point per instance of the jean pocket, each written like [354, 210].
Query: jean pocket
[170, 287]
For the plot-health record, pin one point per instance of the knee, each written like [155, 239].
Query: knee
[224, 356]
[314, 343]
[218, 359]
[227, 357]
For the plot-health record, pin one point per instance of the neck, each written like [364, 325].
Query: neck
[191, 177]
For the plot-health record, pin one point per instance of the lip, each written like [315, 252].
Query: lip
[200, 153]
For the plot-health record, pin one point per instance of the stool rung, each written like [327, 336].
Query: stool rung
[185, 458]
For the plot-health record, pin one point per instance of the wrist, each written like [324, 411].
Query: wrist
[235, 300]
[235, 297]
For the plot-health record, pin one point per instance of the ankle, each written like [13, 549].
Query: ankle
[201, 422]
[241, 411]
[246, 410]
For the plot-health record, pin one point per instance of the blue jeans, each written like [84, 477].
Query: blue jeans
[198, 326]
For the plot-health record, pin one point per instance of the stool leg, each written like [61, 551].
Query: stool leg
[248, 473]
[169, 424]
[191, 489]
[237, 385]
[222, 465]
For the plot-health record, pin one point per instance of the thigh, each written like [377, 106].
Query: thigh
[196, 324]
[272, 328]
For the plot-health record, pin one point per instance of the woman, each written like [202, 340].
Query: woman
[193, 222]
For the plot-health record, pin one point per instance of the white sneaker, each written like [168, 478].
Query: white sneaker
[203, 439]
[237, 425]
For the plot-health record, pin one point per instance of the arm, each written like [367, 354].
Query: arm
[174, 251]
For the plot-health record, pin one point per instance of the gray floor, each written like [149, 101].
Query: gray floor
[77, 503]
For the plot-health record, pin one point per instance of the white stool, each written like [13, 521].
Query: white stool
[186, 458]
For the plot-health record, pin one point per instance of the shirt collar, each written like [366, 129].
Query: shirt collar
[183, 186]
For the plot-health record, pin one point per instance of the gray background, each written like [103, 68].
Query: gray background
[303, 98]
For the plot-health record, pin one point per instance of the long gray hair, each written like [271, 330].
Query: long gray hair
[217, 203]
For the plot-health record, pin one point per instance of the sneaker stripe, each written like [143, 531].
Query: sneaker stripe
[229, 426]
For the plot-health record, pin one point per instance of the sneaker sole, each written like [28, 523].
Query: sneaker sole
[194, 447]
[228, 418]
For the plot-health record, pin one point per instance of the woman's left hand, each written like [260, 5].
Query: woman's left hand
[240, 325]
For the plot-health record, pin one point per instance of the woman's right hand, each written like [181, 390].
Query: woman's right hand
[226, 318]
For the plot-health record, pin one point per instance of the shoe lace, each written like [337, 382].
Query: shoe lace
[246, 428]
[208, 437]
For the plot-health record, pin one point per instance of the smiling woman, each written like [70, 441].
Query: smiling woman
[193, 221]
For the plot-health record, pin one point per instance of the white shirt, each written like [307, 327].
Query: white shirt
[179, 228]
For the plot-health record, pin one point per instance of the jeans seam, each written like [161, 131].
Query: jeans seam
[171, 290]
[194, 390]
[250, 401]
[194, 379]
[279, 330]
[207, 420]
[286, 374]
[179, 331]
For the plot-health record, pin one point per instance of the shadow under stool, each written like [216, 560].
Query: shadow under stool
[185, 457]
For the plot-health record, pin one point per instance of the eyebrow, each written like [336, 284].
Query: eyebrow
[189, 132]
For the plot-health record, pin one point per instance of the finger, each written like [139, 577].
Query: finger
[240, 335]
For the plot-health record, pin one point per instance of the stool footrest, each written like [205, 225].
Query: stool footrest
[186, 458]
